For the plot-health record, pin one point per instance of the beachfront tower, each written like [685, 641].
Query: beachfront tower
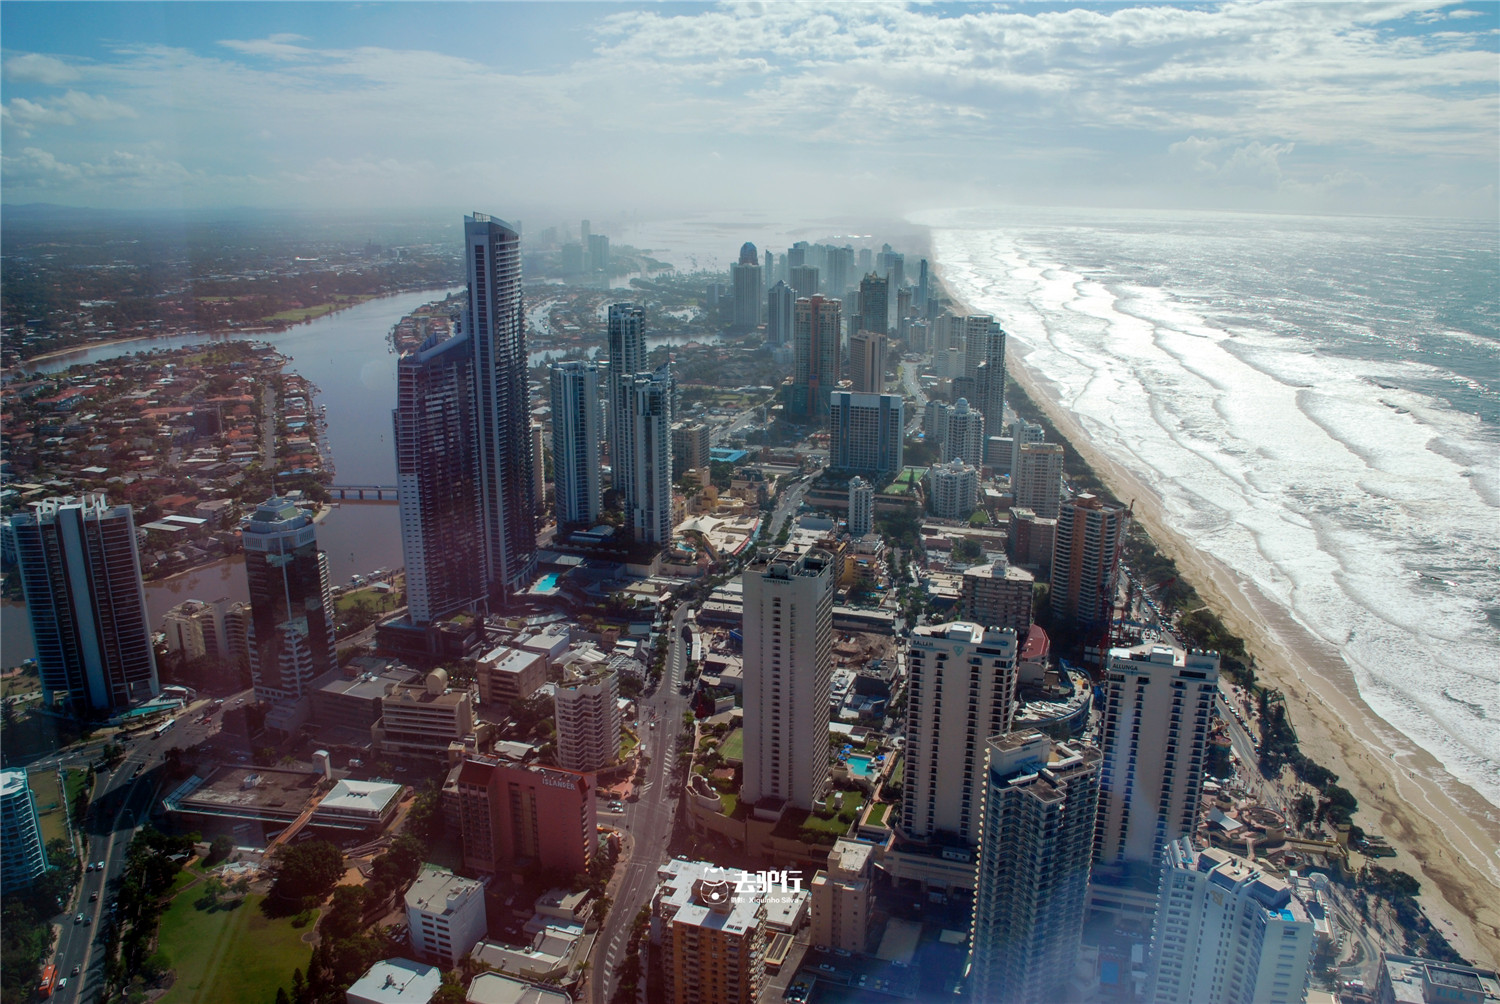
[874, 305]
[438, 478]
[496, 325]
[1036, 478]
[963, 438]
[81, 573]
[1086, 561]
[576, 434]
[788, 628]
[291, 602]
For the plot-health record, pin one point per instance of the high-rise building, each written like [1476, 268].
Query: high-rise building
[866, 259]
[866, 432]
[861, 507]
[815, 356]
[690, 446]
[779, 303]
[1031, 540]
[627, 357]
[576, 473]
[840, 270]
[195, 630]
[964, 437]
[496, 325]
[867, 361]
[922, 290]
[1227, 931]
[788, 627]
[999, 595]
[1158, 706]
[291, 601]
[588, 719]
[952, 489]
[746, 280]
[23, 855]
[648, 456]
[711, 935]
[841, 895]
[1033, 872]
[539, 466]
[935, 421]
[804, 279]
[518, 817]
[599, 252]
[988, 341]
[1023, 433]
[961, 691]
[874, 304]
[974, 330]
[1086, 561]
[438, 477]
[1036, 478]
[237, 620]
[81, 574]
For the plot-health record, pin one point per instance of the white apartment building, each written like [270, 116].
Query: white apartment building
[952, 489]
[841, 896]
[788, 628]
[588, 719]
[576, 435]
[1227, 931]
[646, 452]
[1022, 432]
[445, 913]
[961, 690]
[23, 855]
[196, 629]
[1158, 704]
[963, 439]
[861, 507]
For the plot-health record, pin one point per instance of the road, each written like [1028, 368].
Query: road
[649, 820]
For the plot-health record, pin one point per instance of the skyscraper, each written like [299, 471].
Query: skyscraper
[840, 270]
[575, 442]
[861, 507]
[1036, 480]
[866, 433]
[815, 359]
[23, 855]
[1227, 931]
[989, 374]
[804, 279]
[745, 278]
[961, 691]
[291, 602]
[952, 489]
[627, 357]
[779, 303]
[648, 457]
[598, 252]
[588, 719]
[496, 325]
[867, 361]
[438, 478]
[874, 304]
[788, 626]
[963, 439]
[1086, 561]
[81, 574]
[1021, 433]
[921, 295]
[1158, 705]
[1033, 870]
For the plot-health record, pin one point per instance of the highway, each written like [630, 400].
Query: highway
[649, 820]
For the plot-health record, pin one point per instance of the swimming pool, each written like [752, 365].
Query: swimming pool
[547, 583]
[862, 766]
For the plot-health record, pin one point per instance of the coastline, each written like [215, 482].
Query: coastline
[1447, 834]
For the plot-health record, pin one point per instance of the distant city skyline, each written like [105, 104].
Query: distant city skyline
[1359, 108]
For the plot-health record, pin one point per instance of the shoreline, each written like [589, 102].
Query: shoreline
[1445, 833]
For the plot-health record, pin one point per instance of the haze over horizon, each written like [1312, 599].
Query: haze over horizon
[884, 109]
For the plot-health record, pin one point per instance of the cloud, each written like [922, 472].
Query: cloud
[35, 68]
[69, 109]
[1254, 164]
[278, 47]
[39, 169]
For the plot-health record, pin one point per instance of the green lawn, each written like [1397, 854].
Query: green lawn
[878, 813]
[49, 805]
[233, 956]
[734, 746]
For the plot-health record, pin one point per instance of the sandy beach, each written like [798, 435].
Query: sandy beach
[1447, 836]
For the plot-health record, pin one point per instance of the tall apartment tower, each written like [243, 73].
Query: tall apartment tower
[539, 465]
[576, 474]
[874, 304]
[804, 279]
[788, 668]
[922, 285]
[81, 573]
[1086, 560]
[999, 595]
[627, 357]
[745, 277]
[1033, 875]
[815, 355]
[840, 270]
[1036, 479]
[861, 507]
[710, 933]
[690, 446]
[961, 691]
[867, 361]
[496, 324]
[952, 489]
[598, 249]
[984, 347]
[196, 629]
[963, 439]
[1158, 705]
[588, 720]
[779, 303]
[291, 602]
[437, 473]
[23, 855]
[866, 432]
[647, 458]
[1023, 433]
[1227, 931]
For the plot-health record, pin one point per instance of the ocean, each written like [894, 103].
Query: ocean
[1317, 403]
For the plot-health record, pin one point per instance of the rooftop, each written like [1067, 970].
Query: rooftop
[493, 988]
[397, 981]
[437, 889]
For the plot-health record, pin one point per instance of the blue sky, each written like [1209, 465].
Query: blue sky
[884, 109]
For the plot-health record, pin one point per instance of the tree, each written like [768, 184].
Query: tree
[219, 850]
[308, 872]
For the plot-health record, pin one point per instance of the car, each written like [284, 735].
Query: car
[78, 919]
[90, 867]
[62, 983]
[99, 866]
[77, 970]
[87, 920]
[93, 897]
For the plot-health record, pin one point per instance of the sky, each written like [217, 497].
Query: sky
[654, 109]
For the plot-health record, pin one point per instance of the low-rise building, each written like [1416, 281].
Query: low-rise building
[510, 675]
[1408, 979]
[358, 805]
[351, 705]
[423, 720]
[396, 981]
[445, 913]
[841, 896]
[494, 988]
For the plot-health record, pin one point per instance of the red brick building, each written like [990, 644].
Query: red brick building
[515, 817]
